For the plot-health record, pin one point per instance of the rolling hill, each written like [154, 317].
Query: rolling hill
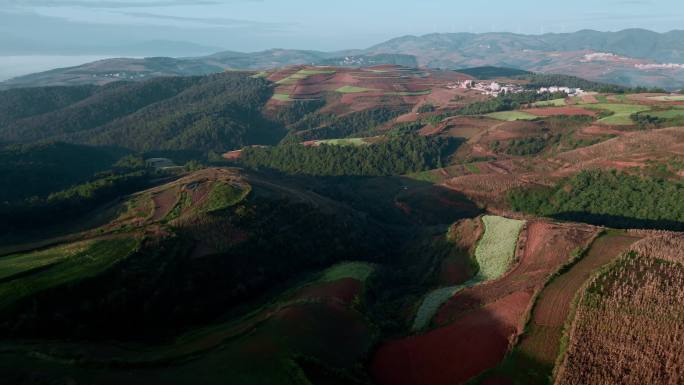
[366, 226]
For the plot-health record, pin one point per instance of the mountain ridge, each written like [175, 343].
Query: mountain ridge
[631, 57]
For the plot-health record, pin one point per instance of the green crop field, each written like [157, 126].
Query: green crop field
[433, 301]
[353, 90]
[355, 270]
[495, 251]
[473, 168]
[86, 263]
[494, 255]
[550, 103]
[282, 97]
[511, 116]
[621, 112]
[224, 195]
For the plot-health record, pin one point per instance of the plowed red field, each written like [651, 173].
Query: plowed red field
[558, 111]
[451, 354]
[553, 304]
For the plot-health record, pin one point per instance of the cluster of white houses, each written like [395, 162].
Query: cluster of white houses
[496, 89]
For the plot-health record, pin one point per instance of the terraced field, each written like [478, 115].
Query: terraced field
[534, 357]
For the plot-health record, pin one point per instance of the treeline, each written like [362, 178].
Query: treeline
[398, 155]
[67, 204]
[489, 72]
[647, 121]
[329, 126]
[508, 102]
[607, 198]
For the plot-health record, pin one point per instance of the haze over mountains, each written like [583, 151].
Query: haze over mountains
[633, 57]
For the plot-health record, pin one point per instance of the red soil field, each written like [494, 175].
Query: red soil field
[557, 111]
[451, 354]
[601, 130]
[233, 155]
[343, 290]
[553, 305]
[163, 203]
[464, 235]
[199, 192]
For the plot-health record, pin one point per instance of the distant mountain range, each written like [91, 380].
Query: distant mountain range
[631, 57]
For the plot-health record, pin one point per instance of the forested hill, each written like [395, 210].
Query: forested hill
[218, 112]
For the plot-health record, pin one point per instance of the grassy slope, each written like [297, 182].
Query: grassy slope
[621, 112]
[65, 267]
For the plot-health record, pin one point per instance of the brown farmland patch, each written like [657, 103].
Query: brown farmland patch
[542, 342]
[628, 327]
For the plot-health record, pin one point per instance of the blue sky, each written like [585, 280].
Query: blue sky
[252, 25]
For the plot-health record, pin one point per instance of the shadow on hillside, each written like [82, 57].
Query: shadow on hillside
[395, 200]
[619, 222]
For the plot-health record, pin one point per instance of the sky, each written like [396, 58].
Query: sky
[253, 25]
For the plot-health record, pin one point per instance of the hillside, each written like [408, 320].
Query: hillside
[363, 226]
[631, 57]
[220, 112]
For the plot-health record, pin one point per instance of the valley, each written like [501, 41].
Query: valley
[335, 225]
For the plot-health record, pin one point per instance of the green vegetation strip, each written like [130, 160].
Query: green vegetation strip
[410, 93]
[346, 142]
[23, 263]
[494, 255]
[669, 114]
[224, 195]
[511, 116]
[355, 270]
